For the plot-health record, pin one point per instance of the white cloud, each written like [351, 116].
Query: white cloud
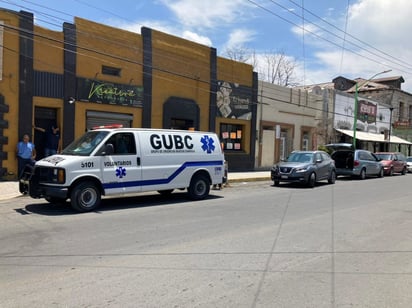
[239, 37]
[376, 40]
[191, 36]
[163, 27]
[206, 13]
[136, 26]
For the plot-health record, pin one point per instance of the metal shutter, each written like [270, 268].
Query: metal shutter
[96, 118]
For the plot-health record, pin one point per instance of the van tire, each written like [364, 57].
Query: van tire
[85, 197]
[362, 174]
[199, 187]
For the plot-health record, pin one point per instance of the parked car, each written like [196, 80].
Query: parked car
[356, 163]
[393, 162]
[409, 163]
[306, 167]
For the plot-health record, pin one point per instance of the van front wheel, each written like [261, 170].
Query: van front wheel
[85, 197]
[199, 187]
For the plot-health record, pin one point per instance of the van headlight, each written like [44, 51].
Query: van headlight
[58, 176]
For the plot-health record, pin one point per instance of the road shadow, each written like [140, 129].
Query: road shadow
[110, 204]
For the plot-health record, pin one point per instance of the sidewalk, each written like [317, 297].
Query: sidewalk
[10, 189]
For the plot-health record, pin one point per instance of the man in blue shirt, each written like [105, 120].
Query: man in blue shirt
[26, 153]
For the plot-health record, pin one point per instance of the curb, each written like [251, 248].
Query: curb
[249, 179]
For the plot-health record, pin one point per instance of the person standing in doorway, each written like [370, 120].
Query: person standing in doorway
[26, 153]
[52, 145]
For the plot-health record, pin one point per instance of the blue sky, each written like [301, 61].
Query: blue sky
[325, 38]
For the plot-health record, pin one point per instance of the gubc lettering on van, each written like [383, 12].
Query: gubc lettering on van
[176, 143]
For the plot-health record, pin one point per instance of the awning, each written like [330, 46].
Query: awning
[366, 136]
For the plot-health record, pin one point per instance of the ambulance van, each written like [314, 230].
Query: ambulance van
[126, 161]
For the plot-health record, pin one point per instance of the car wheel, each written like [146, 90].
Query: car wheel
[312, 180]
[362, 174]
[381, 173]
[404, 171]
[332, 177]
[276, 183]
[85, 197]
[391, 172]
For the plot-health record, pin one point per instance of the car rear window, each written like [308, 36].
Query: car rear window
[384, 156]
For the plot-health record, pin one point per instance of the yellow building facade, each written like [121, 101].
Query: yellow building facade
[90, 74]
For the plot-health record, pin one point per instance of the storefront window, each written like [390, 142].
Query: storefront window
[231, 137]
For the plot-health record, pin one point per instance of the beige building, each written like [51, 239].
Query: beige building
[287, 120]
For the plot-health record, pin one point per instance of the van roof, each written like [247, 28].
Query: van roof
[152, 130]
[339, 146]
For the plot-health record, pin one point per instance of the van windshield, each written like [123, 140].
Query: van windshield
[86, 144]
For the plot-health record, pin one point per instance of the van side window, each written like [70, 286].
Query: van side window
[123, 143]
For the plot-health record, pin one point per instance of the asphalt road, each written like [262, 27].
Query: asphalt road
[248, 245]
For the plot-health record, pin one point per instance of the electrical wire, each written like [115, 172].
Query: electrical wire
[352, 36]
[391, 59]
[344, 37]
[132, 61]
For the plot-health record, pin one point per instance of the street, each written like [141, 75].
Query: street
[248, 245]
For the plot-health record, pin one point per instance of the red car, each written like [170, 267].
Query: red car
[393, 162]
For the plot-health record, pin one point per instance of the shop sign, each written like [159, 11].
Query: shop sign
[367, 111]
[234, 100]
[401, 124]
[95, 91]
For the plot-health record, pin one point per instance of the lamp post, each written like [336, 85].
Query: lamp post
[355, 117]
[390, 128]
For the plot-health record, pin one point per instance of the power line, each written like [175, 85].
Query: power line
[333, 34]
[351, 36]
[344, 38]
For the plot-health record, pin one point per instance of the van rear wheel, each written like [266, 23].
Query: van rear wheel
[362, 174]
[85, 197]
[199, 187]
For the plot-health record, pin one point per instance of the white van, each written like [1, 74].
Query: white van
[126, 161]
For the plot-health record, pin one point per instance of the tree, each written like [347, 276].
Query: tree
[273, 67]
[238, 53]
[277, 68]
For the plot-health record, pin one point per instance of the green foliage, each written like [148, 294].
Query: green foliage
[323, 148]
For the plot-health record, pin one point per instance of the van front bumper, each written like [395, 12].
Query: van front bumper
[43, 191]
